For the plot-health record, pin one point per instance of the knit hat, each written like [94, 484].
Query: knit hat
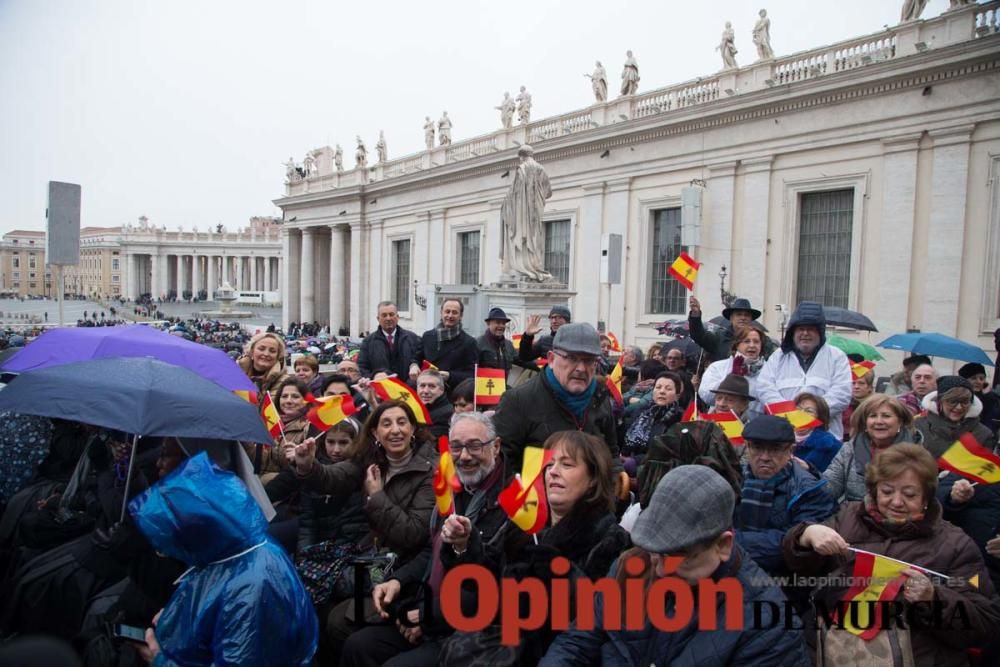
[947, 382]
[971, 369]
[561, 311]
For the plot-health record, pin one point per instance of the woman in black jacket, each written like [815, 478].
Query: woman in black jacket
[664, 412]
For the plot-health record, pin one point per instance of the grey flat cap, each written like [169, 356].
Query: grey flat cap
[578, 338]
[690, 505]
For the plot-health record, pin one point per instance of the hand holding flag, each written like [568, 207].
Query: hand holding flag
[446, 482]
[524, 499]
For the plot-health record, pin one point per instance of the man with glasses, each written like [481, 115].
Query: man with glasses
[777, 492]
[687, 532]
[530, 348]
[565, 396]
[465, 536]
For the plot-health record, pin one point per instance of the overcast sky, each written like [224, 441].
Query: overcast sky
[184, 111]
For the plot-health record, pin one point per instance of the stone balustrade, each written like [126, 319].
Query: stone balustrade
[906, 39]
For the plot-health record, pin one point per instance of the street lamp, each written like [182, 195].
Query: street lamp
[727, 297]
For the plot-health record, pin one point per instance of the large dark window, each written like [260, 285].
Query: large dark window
[468, 258]
[557, 244]
[666, 295]
[401, 275]
[825, 222]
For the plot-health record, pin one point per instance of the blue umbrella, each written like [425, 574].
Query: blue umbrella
[936, 345]
[141, 396]
[63, 346]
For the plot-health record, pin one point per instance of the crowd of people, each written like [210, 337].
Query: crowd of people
[345, 561]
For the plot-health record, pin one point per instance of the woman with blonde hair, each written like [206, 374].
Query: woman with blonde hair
[263, 361]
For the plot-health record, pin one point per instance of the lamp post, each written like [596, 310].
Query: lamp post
[727, 297]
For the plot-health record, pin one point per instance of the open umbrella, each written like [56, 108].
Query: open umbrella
[852, 346]
[849, 319]
[936, 345]
[63, 346]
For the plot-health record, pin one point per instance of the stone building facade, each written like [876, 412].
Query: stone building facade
[864, 174]
[22, 264]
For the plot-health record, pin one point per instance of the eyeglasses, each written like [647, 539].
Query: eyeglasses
[761, 448]
[960, 403]
[474, 447]
[577, 359]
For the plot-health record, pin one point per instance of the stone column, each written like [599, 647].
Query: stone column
[253, 273]
[307, 290]
[890, 307]
[291, 250]
[338, 286]
[210, 286]
[156, 288]
[178, 275]
[490, 243]
[946, 228]
[716, 238]
[749, 276]
[358, 272]
[195, 276]
[616, 216]
[586, 255]
[321, 275]
[267, 274]
[435, 249]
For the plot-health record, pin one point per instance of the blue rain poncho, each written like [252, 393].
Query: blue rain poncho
[241, 603]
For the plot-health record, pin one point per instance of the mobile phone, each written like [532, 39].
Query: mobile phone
[128, 632]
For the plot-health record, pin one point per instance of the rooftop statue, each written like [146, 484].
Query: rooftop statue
[599, 82]
[762, 36]
[338, 159]
[444, 129]
[381, 148]
[506, 110]
[727, 47]
[630, 75]
[360, 155]
[523, 106]
[428, 132]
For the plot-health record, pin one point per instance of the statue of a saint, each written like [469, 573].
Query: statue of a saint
[360, 155]
[599, 82]
[381, 148]
[506, 109]
[291, 172]
[630, 75]
[911, 10]
[523, 106]
[727, 47]
[444, 129]
[522, 254]
[309, 165]
[338, 159]
[762, 36]
[428, 132]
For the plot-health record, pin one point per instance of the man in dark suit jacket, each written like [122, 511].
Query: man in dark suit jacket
[448, 347]
[495, 351]
[389, 348]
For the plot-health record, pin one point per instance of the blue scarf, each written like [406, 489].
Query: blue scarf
[576, 403]
[758, 498]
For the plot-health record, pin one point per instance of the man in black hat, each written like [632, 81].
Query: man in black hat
[777, 492]
[733, 395]
[495, 351]
[717, 345]
[530, 348]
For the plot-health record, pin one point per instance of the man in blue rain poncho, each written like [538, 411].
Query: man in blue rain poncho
[241, 603]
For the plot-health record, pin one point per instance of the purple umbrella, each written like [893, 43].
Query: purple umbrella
[63, 346]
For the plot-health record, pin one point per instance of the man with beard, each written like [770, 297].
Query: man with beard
[447, 347]
[495, 351]
[477, 519]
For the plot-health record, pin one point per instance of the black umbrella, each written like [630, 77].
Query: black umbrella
[849, 319]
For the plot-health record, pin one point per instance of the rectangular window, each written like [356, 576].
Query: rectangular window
[16, 275]
[557, 249]
[666, 295]
[31, 276]
[114, 279]
[468, 258]
[31, 262]
[114, 264]
[401, 277]
[17, 262]
[825, 222]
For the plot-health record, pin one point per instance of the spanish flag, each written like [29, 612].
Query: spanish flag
[860, 369]
[524, 499]
[428, 366]
[685, 270]
[966, 457]
[799, 419]
[614, 383]
[515, 340]
[248, 396]
[272, 420]
[491, 383]
[878, 579]
[394, 389]
[691, 414]
[329, 411]
[616, 345]
[730, 425]
[446, 482]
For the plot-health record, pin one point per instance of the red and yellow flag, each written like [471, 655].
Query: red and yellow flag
[614, 383]
[491, 383]
[616, 345]
[394, 389]
[730, 425]
[248, 396]
[691, 414]
[966, 457]
[799, 419]
[524, 499]
[861, 369]
[685, 270]
[879, 579]
[272, 420]
[515, 340]
[446, 482]
[428, 366]
[329, 411]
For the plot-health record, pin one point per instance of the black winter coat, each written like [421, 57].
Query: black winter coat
[495, 354]
[375, 354]
[457, 356]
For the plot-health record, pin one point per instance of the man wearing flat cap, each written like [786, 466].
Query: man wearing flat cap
[565, 396]
[738, 315]
[690, 516]
[495, 351]
[530, 348]
[777, 492]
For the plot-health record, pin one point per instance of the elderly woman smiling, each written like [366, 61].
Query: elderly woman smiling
[900, 518]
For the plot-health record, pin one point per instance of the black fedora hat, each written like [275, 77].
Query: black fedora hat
[735, 385]
[740, 304]
[497, 314]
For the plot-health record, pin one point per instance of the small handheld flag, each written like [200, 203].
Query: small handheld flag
[427, 366]
[685, 270]
[524, 499]
[328, 411]
[799, 419]
[446, 482]
[861, 369]
[614, 383]
[272, 420]
[966, 457]
[691, 414]
[616, 346]
[879, 579]
[491, 383]
[394, 389]
[730, 425]
[515, 340]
